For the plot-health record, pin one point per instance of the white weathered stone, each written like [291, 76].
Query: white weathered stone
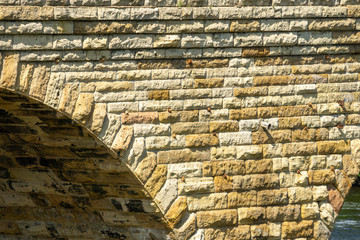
[167, 194]
[196, 185]
[144, 130]
[187, 170]
[238, 138]
[320, 193]
[162, 142]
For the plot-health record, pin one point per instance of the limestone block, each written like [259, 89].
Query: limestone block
[271, 39]
[321, 231]
[242, 199]
[122, 107]
[318, 177]
[217, 26]
[95, 42]
[271, 197]
[240, 232]
[185, 27]
[251, 215]
[139, 118]
[144, 130]
[146, 166]
[183, 155]
[249, 152]
[196, 185]
[164, 142]
[130, 41]
[311, 121]
[113, 13]
[167, 194]
[187, 170]
[68, 42]
[123, 139]
[157, 85]
[207, 202]
[258, 166]
[223, 153]
[144, 13]
[314, 38]
[220, 168]
[201, 140]
[261, 230]
[83, 13]
[83, 107]
[280, 164]
[217, 218]
[189, 128]
[196, 41]
[310, 211]
[9, 70]
[187, 228]
[176, 211]
[327, 214]
[156, 180]
[23, 27]
[333, 147]
[300, 194]
[298, 163]
[283, 213]
[297, 229]
[166, 41]
[248, 40]
[237, 138]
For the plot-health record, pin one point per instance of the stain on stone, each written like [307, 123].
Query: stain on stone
[66, 205]
[52, 230]
[4, 173]
[26, 161]
[51, 163]
[39, 200]
[117, 204]
[98, 189]
[82, 202]
[135, 206]
[112, 234]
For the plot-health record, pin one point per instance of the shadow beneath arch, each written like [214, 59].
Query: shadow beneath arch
[58, 180]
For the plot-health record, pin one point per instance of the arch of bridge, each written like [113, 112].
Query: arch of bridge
[180, 103]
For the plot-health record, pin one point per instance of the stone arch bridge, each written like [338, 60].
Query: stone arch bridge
[188, 119]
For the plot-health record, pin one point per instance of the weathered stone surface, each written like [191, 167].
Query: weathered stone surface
[175, 116]
[240, 232]
[83, 107]
[133, 118]
[157, 180]
[251, 215]
[217, 218]
[69, 97]
[319, 177]
[297, 229]
[183, 155]
[242, 199]
[189, 128]
[146, 166]
[98, 118]
[220, 168]
[283, 213]
[207, 202]
[196, 185]
[272, 197]
[201, 140]
[176, 211]
[9, 70]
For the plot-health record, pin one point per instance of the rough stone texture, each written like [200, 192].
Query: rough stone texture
[181, 92]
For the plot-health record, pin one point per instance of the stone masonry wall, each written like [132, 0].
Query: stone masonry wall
[179, 89]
